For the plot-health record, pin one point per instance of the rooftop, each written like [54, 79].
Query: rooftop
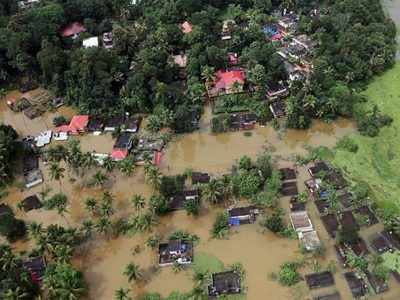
[224, 283]
[72, 29]
[30, 203]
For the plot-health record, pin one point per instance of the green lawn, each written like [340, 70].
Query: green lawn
[377, 161]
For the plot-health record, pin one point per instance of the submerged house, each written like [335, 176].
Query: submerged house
[111, 124]
[289, 188]
[331, 224]
[175, 251]
[330, 296]
[224, 283]
[95, 125]
[356, 284]
[77, 125]
[178, 201]
[277, 109]
[200, 178]
[73, 30]
[242, 215]
[36, 268]
[296, 205]
[309, 240]
[378, 284]
[319, 280]
[242, 121]
[33, 178]
[288, 174]
[122, 146]
[108, 40]
[301, 221]
[186, 27]
[226, 29]
[276, 90]
[92, 42]
[381, 245]
[31, 203]
[5, 210]
[227, 82]
[317, 168]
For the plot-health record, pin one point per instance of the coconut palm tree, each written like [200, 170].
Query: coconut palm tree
[207, 74]
[35, 230]
[87, 228]
[138, 202]
[122, 294]
[58, 202]
[126, 166]
[133, 272]
[16, 294]
[62, 253]
[108, 164]
[8, 261]
[99, 178]
[103, 225]
[56, 153]
[91, 205]
[106, 204]
[57, 173]
[153, 175]
[212, 191]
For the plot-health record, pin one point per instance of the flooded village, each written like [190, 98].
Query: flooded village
[239, 207]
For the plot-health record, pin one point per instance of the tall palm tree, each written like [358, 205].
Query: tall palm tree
[35, 230]
[122, 294]
[16, 294]
[138, 202]
[8, 261]
[103, 225]
[207, 74]
[91, 205]
[133, 272]
[99, 178]
[87, 228]
[58, 202]
[212, 191]
[57, 173]
[126, 166]
[62, 253]
[108, 164]
[153, 175]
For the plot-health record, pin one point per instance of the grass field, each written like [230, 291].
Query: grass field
[377, 161]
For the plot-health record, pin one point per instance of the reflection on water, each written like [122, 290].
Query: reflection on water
[103, 260]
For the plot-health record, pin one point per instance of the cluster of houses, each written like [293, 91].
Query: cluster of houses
[343, 218]
[73, 31]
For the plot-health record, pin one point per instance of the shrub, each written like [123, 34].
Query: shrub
[192, 207]
[247, 184]
[158, 204]
[12, 228]
[348, 144]
[221, 226]
[288, 274]
[274, 222]
[60, 120]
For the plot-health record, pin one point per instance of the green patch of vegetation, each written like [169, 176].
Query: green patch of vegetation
[377, 162]
[288, 274]
[392, 260]
[220, 227]
[204, 263]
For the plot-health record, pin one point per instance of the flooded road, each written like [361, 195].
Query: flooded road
[103, 260]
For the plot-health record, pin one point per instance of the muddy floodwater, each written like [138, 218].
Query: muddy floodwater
[102, 260]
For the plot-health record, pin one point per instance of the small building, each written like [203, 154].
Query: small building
[288, 174]
[200, 178]
[313, 185]
[287, 23]
[119, 154]
[100, 157]
[289, 188]
[57, 102]
[25, 4]
[131, 125]
[331, 224]
[347, 221]
[336, 179]
[73, 30]
[242, 215]
[226, 29]
[305, 41]
[233, 58]
[178, 201]
[186, 27]
[124, 142]
[44, 138]
[345, 198]
[180, 60]
[113, 123]
[356, 284]
[36, 268]
[333, 296]
[296, 205]
[319, 280]
[92, 42]
[34, 112]
[5, 210]
[381, 245]
[18, 104]
[60, 136]
[392, 238]
[317, 168]
[77, 125]
[31, 203]
[33, 178]
[310, 240]
[95, 125]
[365, 212]
[175, 251]
[30, 162]
[227, 82]
[224, 283]
[276, 90]
[108, 40]
[378, 284]
[277, 109]
[301, 221]
[322, 206]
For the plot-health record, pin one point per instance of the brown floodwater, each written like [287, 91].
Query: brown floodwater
[103, 260]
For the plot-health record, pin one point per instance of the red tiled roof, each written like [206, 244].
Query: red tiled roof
[72, 29]
[225, 79]
[186, 27]
[119, 154]
[77, 124]
[157, 158]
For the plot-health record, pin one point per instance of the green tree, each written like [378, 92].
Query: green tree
[122, 294]
[133, 272]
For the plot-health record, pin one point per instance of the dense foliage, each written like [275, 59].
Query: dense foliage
[8, 137]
